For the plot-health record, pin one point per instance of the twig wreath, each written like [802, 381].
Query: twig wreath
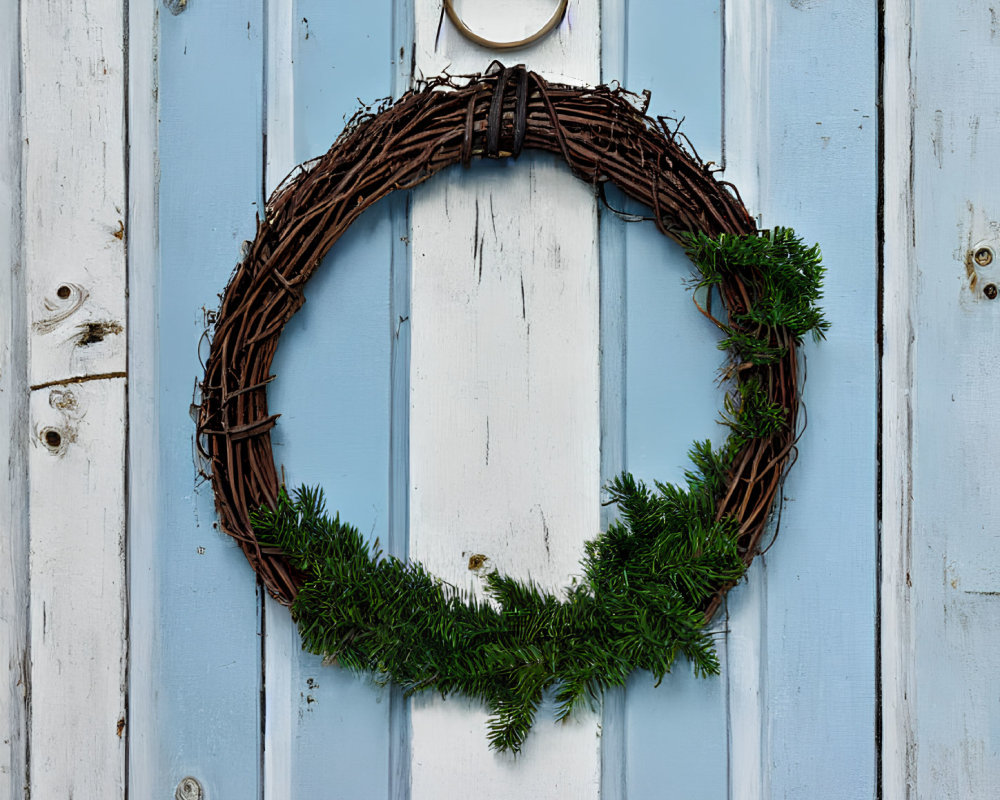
[649, 583]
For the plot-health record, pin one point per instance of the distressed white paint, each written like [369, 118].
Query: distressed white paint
[74, 186]
[504, 396]
[279, 90]
[614, 37]
[504, 432]
[143, 411]
[281, 638]
[896, 635]
[77, 613]
[745, 155]
[941, 548]
[13, 413]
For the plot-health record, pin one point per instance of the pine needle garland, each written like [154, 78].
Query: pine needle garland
[645, 583]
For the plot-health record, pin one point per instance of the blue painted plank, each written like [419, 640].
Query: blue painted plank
[820, 177]
[675, 51]
[333, 391]
[206, 721]
[675, 733]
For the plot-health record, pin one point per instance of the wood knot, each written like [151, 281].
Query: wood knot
[477, 561]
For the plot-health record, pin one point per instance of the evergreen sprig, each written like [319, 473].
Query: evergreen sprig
[788, 287]
[645, 582]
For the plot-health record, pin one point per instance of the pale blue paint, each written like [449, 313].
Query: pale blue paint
[954, 538]
[675, 734]
[819, 611]
[675, 51]
[820, 178]
[333, 391]
[206, 721]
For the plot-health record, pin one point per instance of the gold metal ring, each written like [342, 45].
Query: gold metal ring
[547, 28]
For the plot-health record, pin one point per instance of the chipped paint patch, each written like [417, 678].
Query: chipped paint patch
[94, 332]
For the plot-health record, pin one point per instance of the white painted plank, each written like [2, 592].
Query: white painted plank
[143, 410]
[948, 519]
[897, 674]
[75, 185]
[77, 613]
[74, 182]
[13, 423]
[505, 394]
[747, 34]
[281, 637]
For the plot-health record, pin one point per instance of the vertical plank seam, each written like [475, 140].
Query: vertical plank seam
[880, 340]
[127, 226]
[262, 599]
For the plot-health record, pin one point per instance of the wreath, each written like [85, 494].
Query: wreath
[651, 582]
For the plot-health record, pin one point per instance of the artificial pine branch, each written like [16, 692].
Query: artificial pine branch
[645, 582]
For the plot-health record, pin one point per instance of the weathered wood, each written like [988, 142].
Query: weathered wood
[321, 721]
[676, 729]
[897, 675]
[504, 395]
[13, 428]
[941, 612]
[281, 640]
[745, 113]
[614, 50]
[74, 261]
[143, 409]
[205, 717]
[801, 143]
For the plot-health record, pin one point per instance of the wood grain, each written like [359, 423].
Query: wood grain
[321, 721]
[942, 551]
[14, 578]
[204, 719]
[801, 141]
[504, 397]
[143, 501]
[74, 261]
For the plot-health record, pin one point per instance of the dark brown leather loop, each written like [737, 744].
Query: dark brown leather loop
[494, 121]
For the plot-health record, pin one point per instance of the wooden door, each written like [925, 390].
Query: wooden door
[418, 437]
[588, 358]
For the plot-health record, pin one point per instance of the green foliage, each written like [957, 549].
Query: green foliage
[645, 582]
[785, 277]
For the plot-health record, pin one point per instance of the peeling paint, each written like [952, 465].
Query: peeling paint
[94, 332]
